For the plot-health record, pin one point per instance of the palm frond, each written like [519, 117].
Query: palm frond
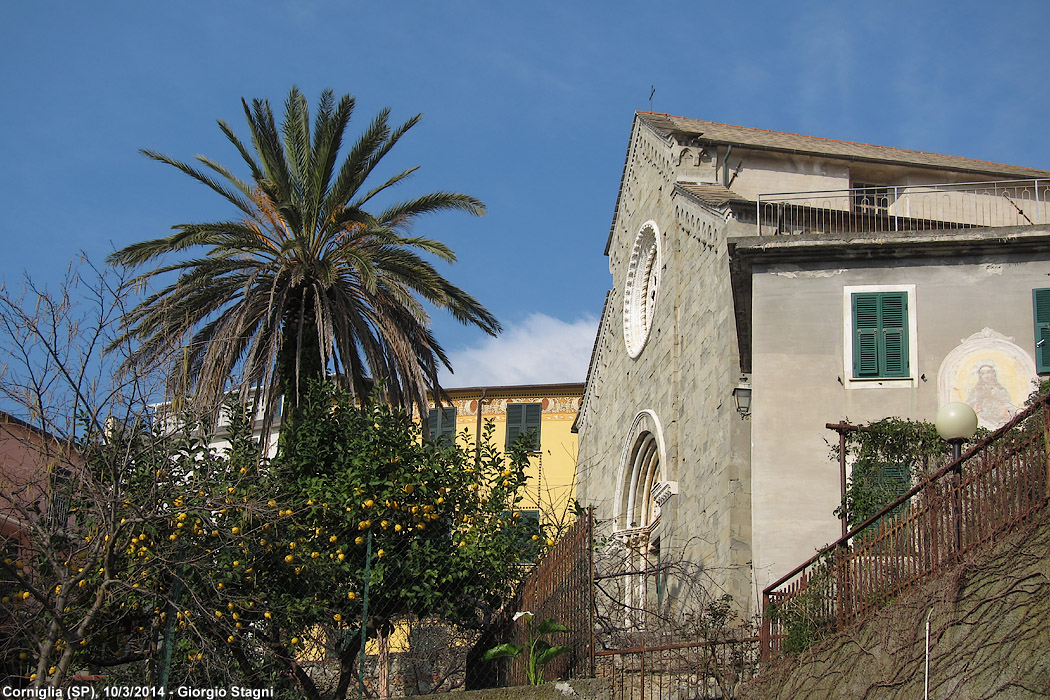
[197, 175]
[309, 269]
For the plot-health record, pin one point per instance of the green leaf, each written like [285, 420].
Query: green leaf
[543, 658]
[549, 626]
[501, 651]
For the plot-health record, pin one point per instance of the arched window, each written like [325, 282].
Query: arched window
[642, 489]
[641, 510]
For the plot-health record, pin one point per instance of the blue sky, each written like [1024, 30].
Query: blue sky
[527, 106]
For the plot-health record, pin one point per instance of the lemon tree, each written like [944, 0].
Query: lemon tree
[439, 521]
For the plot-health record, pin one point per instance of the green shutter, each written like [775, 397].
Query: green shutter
[524, 418]
[865, 335]
[880, 335]
[442, 423]
[893, 319]
[1041, 310]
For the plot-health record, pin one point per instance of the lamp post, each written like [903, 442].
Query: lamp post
[956, 423]
[742, 397]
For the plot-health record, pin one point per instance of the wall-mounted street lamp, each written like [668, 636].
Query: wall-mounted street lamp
[956, 423]
[742, 397]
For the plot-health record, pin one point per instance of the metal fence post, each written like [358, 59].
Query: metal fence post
[591, 587]
[764, 641]
[896, 216]
[1038, 204]
[1046, 442]
[641, 672]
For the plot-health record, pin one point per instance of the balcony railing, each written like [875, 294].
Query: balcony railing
[884, 208]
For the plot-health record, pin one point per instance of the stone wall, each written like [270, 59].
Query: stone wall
[583, 689]
[682, 378]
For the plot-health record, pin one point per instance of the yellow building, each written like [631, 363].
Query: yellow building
[547, 409]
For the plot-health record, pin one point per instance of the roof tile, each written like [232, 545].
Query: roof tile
[815, 145]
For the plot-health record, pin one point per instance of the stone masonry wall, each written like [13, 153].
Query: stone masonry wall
[684, 375]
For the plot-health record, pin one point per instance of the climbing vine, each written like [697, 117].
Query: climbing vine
[886, 457]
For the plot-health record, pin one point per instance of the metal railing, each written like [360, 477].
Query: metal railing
[879, 209]
[684, 671]
[990, 490]
[561, 586]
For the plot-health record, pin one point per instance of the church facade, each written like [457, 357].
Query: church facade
[828, 280]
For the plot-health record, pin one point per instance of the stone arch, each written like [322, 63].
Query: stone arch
[642, 488]
[687, 158]
[642, 476]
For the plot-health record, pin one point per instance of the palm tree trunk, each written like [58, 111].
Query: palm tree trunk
[299, 360]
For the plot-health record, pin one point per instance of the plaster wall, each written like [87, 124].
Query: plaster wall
[551, 473]
[799, 351]
[763, 173]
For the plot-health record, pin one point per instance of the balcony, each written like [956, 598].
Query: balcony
[885, 208]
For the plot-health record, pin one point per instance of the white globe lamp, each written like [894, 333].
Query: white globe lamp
[956, 423]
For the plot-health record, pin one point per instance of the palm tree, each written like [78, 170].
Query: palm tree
[304, 280]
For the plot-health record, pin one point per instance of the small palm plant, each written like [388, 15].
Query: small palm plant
[540, 652]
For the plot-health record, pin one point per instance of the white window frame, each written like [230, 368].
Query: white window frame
[851, 382]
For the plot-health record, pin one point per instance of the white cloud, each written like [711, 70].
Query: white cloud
[540, 350]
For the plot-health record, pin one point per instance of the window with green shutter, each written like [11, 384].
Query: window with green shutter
[524, 418]
[442, 422]
[880, 335]
[1041, 311]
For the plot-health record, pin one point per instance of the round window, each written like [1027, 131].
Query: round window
[639, 293]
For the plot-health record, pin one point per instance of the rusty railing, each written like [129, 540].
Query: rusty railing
[990, 490]
[685, 671]
[562, 587]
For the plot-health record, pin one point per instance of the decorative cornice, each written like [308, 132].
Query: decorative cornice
[662, 491]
